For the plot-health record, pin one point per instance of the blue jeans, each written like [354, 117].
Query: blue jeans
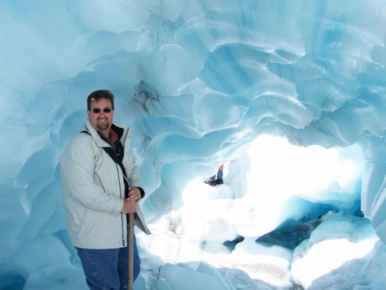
[107, 269]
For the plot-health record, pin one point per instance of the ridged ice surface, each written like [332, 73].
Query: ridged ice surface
[196, 80]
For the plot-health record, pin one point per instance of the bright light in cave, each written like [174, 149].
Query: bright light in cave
[279, 170]
[274, 171]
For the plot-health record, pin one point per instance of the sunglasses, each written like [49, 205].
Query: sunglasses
[98, 110]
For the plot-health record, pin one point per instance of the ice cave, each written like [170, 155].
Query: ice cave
[288, 97]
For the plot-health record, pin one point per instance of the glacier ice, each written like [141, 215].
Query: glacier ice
[201, 82]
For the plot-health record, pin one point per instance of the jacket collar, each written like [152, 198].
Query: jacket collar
[122, 132]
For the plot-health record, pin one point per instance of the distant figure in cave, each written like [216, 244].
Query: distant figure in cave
[216, 179]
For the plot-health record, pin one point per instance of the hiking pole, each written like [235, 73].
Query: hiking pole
[130, 250]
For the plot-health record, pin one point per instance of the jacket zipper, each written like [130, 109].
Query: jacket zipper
[120, 194]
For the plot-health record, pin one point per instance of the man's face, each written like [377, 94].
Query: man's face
[101, 114]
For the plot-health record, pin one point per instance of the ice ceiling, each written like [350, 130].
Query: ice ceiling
[197, 80]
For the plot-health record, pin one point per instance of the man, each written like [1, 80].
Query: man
[100, 187]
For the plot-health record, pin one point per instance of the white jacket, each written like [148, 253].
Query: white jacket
[94, 192]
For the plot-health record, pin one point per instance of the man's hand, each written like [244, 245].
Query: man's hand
[135, 193]
[130, 203]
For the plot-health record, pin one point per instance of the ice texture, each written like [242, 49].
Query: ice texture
[199, 82]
